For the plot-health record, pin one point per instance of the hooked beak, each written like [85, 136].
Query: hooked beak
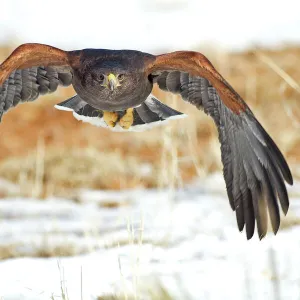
[112, 82]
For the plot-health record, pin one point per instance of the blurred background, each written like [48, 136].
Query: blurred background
[146, 214]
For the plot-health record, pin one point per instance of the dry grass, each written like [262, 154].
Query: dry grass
[149, 288]
[45, 250]
[160, 294]
[289, 221]
[156, 291]
[48, 151]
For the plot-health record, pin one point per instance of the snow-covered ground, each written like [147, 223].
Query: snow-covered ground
[187, 240]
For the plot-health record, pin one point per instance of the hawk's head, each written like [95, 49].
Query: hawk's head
[116, 80]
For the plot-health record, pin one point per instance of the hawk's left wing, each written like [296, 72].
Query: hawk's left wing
[254, 168]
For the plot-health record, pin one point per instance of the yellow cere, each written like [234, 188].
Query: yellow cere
[111, 77]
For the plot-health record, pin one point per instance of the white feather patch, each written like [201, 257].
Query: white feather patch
[99, 122]
[63, 108]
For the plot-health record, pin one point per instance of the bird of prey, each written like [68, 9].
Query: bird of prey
[114, 89]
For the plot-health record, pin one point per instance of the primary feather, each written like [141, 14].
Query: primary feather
[253, 167]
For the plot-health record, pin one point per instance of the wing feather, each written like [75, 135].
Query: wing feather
[254, 168]
[33, 70]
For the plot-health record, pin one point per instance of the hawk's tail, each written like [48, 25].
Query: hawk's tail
[150, 113]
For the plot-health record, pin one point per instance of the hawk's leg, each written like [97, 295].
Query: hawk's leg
[110, 118]
[127, 120]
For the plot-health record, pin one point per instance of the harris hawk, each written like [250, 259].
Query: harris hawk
[114, 90]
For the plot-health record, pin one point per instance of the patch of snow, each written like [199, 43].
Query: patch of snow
[187, 240]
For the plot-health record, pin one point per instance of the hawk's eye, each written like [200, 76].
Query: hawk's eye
[101, 77]
[121, 77]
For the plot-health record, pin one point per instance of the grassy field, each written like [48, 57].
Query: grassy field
[49, 152]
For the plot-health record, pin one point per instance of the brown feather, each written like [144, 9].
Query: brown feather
[74, 58]
[33, 55]
[197, 64]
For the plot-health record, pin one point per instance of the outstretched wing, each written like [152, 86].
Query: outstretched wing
[254, 168]
[33, 70]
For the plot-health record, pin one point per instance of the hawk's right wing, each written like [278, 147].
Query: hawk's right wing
[33, 70]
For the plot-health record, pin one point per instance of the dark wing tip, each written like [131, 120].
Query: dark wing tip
[283, 165]
[249, 235]
[285, 208]
[289, 178]
[261, 236]
[286, 172]
[254, 170]
[275, 230]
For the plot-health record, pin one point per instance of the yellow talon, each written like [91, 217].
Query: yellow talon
[127, 120]
[110, 118]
